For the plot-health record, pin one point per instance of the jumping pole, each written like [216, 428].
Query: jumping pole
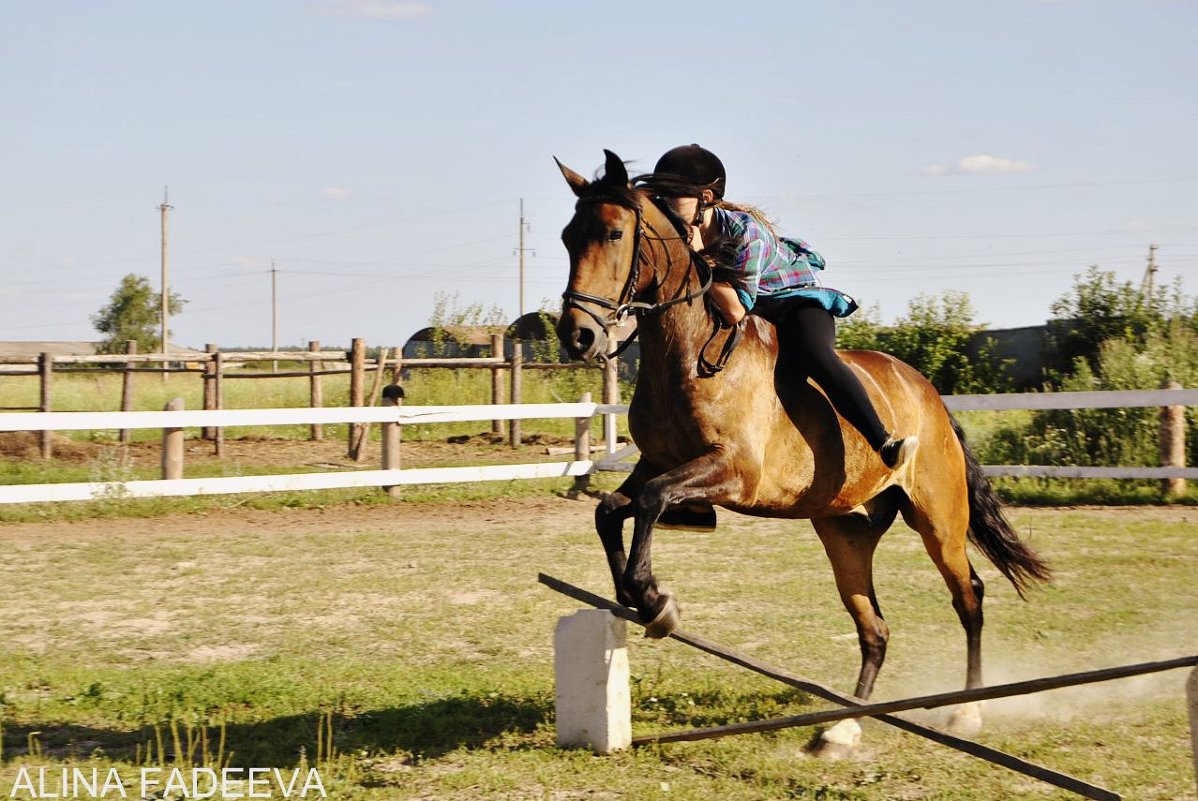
[1009, 761]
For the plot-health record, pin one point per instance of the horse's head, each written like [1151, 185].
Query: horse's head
[605, 242]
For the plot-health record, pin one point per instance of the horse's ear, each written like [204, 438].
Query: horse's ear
[576, 181]
[614, 170]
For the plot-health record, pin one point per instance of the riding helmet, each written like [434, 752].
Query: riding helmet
[691, 164]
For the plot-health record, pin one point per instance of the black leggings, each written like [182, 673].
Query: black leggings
[807, 332]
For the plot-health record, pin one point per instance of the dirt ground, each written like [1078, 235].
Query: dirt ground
[257, 451]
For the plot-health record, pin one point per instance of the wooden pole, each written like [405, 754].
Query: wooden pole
[165, 312]
[357, 388]
[611, 394]
[1026, 687]
[316, 389]
[218, 393]
[45, 369]
[975, 749]
[516, 393]
[209, 432]
[127, 386]
[172, 445]
[497, 381]
[358, 451]
[392, 396]
[582, 445]
[1173, 443]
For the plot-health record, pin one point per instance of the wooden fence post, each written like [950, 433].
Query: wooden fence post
[218, 395]
[516, 393]
[1173, 443]
[127, 385]
[172, 445]
[497, 381]
[316, 389]
[209, 432]
[45, 369]
[357, 387]
[582, 445]
[611, 394]
[392, 396]
[358, 449]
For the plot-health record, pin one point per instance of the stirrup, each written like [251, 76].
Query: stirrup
[688, 518]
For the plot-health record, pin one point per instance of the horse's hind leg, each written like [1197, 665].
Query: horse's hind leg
[850, 542]
[943, 524]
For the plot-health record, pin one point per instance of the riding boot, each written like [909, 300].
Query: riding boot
[696, 516]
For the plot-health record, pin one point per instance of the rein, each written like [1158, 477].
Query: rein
[626, 303]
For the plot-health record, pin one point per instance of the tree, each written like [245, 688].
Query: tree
[134, 311]
[1098, 309]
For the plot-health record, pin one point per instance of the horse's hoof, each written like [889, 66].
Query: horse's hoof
[665, 622]
[838, 742]
[966, 720]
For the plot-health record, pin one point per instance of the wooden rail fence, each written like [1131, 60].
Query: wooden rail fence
[393, 415]
[215, 367]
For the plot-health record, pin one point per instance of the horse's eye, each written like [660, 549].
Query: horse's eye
[612, 236]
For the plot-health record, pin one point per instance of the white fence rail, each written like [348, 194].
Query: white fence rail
[408, 415]
[415, 415]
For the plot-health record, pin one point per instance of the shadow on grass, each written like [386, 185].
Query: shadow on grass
[426, 730]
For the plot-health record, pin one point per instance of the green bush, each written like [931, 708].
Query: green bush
[1107, 437]
[934, 338]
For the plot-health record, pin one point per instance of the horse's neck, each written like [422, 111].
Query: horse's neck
[675, 334]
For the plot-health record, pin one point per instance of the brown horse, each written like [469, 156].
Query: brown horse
[758, 438]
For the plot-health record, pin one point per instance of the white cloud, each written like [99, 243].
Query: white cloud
[334, 193]
[980, 165]
[373, 9]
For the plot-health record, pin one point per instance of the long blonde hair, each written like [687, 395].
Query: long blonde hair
[753, 211]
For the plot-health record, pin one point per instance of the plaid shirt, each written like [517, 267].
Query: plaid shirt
[768, 265]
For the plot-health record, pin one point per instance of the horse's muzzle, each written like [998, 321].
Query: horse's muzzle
[582, 338]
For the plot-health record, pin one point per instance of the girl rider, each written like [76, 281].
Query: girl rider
[774, 277]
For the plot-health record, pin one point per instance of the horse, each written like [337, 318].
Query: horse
[758, 438]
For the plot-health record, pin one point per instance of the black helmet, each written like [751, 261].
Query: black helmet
[688, 170]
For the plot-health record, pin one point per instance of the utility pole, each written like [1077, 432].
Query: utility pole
[165, 210]
[521, 249]
[274, 313]
[1146, 285]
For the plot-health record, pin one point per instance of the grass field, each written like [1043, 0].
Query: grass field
[416, 634]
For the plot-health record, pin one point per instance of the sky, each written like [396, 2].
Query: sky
[377, 152]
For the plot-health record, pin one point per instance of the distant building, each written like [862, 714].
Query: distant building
[31, 349]
[450, 341]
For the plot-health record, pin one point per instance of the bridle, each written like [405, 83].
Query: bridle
[626, 303]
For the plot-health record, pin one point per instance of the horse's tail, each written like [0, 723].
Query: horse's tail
[990, 531]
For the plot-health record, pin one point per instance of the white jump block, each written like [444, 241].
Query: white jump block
[594, 704]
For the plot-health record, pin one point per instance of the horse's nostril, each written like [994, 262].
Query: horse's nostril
[584, 338]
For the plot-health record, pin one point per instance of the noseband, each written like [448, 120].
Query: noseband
[626, 303]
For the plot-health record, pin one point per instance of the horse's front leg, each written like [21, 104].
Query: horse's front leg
[610, 515]
[711, 478]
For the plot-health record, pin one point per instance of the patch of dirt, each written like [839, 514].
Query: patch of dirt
[258, 451]
[399, 517]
